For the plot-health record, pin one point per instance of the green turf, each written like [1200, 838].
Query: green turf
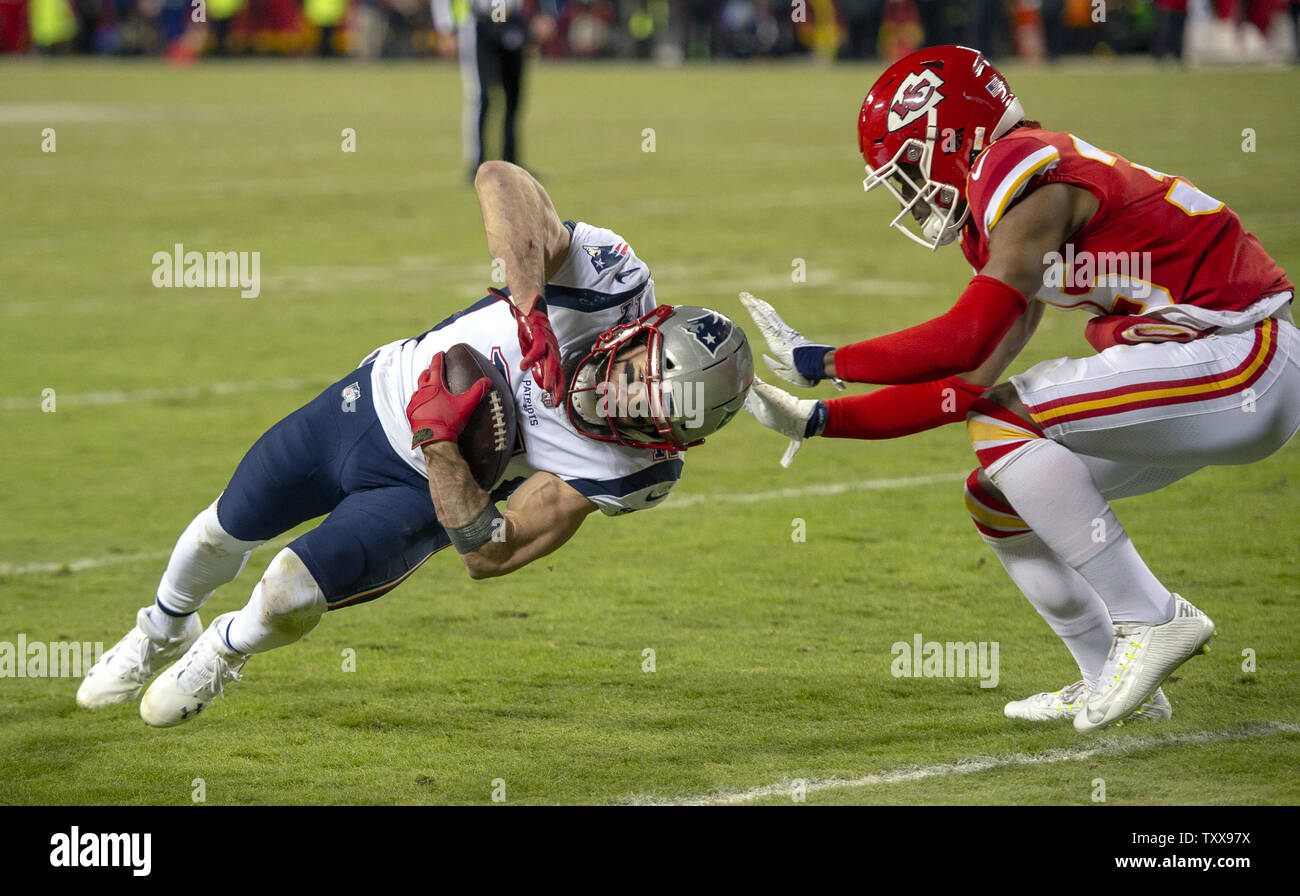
[772, 657]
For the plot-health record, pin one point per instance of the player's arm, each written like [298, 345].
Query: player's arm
[541, 515]
[523, 229]
[444, 25]
[527, 236]
[996, 298]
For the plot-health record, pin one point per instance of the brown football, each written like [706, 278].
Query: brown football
[488, 440]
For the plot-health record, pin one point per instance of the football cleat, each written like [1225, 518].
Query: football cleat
[1141, 657]
[781, 412]
[1155, 709]
[186, 688]
[1062, 704]
[1066, 703]
[122, 672]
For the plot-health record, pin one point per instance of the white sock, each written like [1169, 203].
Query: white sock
[1065, 600]
[1050, 488]
[206, 557]
[286, 604]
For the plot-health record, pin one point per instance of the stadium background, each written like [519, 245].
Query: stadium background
[667, 30]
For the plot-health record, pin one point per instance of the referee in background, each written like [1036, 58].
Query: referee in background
[490, 42]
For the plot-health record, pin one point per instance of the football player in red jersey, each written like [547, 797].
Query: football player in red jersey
[1197, 364]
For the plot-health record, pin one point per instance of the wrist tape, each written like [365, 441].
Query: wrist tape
[469, 538]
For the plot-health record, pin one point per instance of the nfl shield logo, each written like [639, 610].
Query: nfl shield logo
[352, 393]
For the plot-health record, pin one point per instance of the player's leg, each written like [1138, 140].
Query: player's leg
[473, 98]
[372, 541]
[1169, 406]
[488, 61]
[1068, 604]
[287, 477]
[512, 66]
[205, 557]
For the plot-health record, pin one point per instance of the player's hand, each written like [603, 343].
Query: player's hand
[541, 351]
[788, 345]
[448, 48]
[781, 412]
[437, 414]
[543, 29]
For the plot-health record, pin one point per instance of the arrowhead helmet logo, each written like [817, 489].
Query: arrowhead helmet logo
[916, 96]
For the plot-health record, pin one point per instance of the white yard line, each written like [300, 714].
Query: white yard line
[814, 490]
[1107, 746]
[175, 393]
[819, 489]
[84, 563]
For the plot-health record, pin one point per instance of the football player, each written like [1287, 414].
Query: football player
[377, 451]
[1197, 363]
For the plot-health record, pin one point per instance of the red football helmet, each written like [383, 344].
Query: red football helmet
[922, 125]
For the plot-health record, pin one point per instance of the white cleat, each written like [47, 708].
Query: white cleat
[1141, 657]
[1156, 709]
[194, 681]
[122, 672]
[1048, 707]
[1068, 701]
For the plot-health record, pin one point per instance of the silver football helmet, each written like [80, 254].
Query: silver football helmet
[698, 371]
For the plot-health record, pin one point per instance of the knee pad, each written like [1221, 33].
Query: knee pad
[992, 515]
[291, 601]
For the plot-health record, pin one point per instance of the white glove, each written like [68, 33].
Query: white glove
[782, 340]
[781, 412]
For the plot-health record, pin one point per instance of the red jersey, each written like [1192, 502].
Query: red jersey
[1156, 246]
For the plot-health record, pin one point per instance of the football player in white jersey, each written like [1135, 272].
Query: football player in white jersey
[631, 386]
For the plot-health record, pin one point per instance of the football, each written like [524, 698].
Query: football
[488, 440]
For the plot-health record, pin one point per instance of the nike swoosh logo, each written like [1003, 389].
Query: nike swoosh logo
[625, 274]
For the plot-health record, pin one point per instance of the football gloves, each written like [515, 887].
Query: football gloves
[437, 414]
[795, 418]
[541, 351]
[798, 361]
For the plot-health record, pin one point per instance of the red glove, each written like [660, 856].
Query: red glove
[437, 414]
[541, 350]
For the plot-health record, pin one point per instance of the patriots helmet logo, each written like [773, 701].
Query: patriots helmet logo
[710, 330]
[605, 256]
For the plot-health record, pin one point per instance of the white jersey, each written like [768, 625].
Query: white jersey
[601, 284]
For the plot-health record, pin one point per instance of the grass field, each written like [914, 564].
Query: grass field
[772, 657]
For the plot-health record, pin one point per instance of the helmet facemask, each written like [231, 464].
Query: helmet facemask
[933, 213]
[598, 389]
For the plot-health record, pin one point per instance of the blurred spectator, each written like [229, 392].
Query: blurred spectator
[666, 30]
[587, 28]
[862, 27]
[1171, 23]
[325, 15]
[53, 24]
